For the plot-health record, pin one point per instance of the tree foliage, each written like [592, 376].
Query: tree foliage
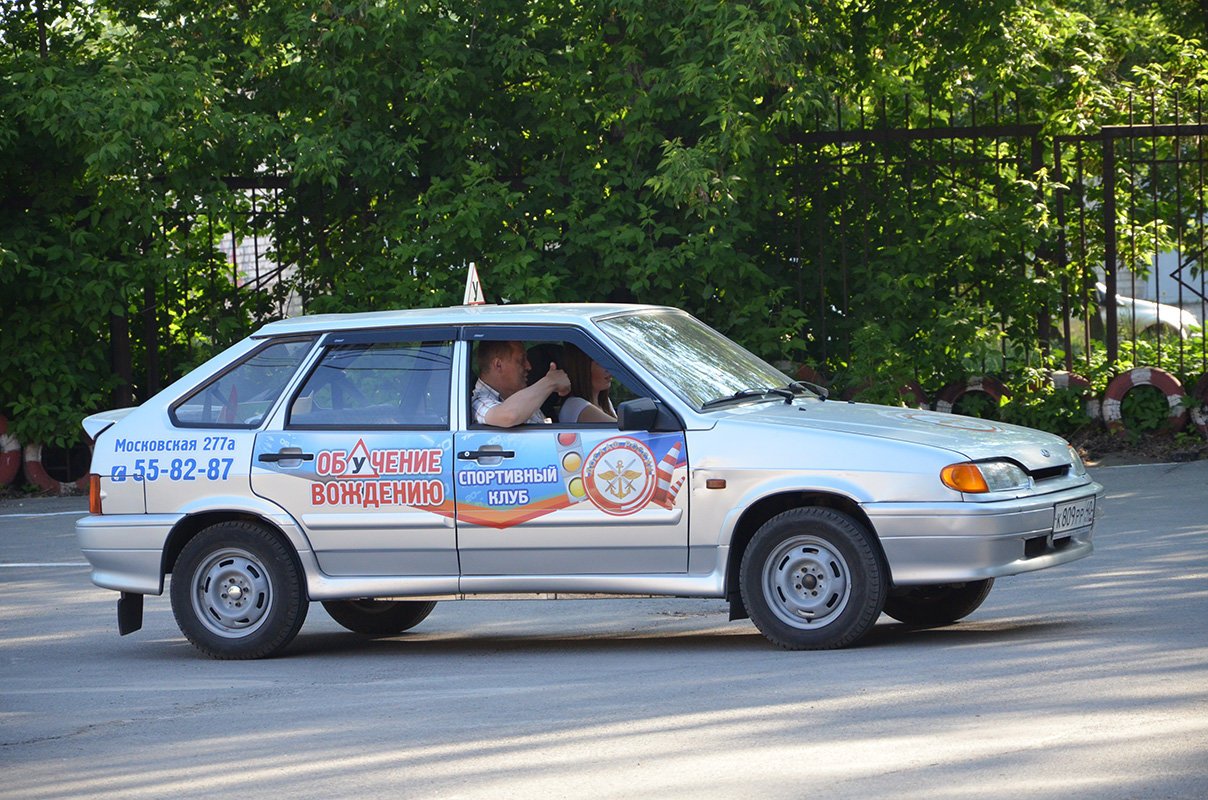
[574, 150]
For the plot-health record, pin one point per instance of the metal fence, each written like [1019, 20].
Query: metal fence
[1117, 221]
[223, 271]
[1110, 275]
[867, 186]
[1131, 221]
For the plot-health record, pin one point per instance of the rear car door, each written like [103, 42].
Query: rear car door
[363, 455]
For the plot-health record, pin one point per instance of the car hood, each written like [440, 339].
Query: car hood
[973, 438]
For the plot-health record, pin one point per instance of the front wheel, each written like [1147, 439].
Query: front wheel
[237, 592]
[937, 604]
[379, 617]
[811, 579]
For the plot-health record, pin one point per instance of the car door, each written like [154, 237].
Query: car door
[561, 499]
[363, 455]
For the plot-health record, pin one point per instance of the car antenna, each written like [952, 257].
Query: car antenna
[473, 296]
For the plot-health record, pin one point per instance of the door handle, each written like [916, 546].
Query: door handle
[474, 455]
[286, 455]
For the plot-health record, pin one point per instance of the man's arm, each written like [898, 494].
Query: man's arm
[517, 409]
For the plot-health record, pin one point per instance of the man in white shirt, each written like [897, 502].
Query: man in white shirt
[502, 396]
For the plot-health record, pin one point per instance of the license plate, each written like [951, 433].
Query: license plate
[1073, 515]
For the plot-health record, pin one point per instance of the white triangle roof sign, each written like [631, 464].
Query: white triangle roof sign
[473, 296]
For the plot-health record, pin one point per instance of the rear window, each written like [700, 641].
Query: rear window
[241, 396]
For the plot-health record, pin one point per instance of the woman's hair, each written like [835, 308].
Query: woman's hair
[578, 368]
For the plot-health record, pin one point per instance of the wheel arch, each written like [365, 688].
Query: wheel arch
[767, 507]
[193, 524]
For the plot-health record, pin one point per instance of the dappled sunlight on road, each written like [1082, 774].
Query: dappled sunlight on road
[1090, 680]
[809, 740]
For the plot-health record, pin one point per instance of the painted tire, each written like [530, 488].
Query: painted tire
[807, 373]
[1144, 376]
[10, 454]
[912, 391]
[1199, 412]
[954, 391]
[1069, 380]
[36, 474]
[1075, 382]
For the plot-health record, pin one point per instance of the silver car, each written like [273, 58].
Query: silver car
[334, 458]
[1137, 317]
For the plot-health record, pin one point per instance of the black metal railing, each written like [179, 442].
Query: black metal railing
[991, 217]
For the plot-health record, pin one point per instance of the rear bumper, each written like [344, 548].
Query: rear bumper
[928, 543]
[126, 551]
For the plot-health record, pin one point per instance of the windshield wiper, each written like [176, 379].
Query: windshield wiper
[821, 391]
[743, 394]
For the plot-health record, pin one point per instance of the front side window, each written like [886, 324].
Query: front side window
[241, 396]
[505, 363]
[377, 384]
[697, 363]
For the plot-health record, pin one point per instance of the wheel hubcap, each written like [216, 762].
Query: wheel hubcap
[232, 593]
[807, 582]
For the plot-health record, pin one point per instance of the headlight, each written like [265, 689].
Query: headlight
[986, 476]
[1077, 468]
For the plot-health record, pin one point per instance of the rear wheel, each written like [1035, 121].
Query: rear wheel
[237, 592]
[379, 617]
[812, 580]
[937, 604]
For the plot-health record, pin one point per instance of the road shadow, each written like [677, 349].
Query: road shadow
[735, 638]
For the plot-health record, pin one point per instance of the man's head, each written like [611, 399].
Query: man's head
[503, 366]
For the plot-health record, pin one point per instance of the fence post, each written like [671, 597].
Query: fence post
[120, 359]
[1044, 319]
[1111, 334]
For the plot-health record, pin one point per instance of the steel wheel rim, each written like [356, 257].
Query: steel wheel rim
[232, 593]
[807, 582]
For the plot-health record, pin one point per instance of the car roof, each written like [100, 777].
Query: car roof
[509, 314]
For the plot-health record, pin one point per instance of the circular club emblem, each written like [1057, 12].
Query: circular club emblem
[619, 476]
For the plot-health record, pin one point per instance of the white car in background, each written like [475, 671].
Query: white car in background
[1150, 318]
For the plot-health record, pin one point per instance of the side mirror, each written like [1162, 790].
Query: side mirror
[646, 414]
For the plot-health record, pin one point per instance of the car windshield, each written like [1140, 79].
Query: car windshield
[696, 362]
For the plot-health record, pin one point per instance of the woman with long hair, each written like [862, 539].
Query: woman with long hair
[589, 384]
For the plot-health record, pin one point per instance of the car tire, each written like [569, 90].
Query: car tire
[938, 604]
[812, 579]
[237, 592]
[379, 617]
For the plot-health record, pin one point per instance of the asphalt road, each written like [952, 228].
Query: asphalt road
[1088, 680]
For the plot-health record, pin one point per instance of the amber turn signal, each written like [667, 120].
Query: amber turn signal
[964, 478]
[94, 494]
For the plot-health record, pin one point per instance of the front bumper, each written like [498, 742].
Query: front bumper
[928, 543]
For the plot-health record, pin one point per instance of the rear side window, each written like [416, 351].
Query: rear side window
[377, 385]
[241, 396]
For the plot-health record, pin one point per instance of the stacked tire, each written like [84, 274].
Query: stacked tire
[1125, 382]
[15, 459]
[10, 454]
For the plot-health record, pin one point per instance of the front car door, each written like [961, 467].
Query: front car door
[567, 499]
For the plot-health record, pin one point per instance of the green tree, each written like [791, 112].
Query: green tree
[574, 150]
